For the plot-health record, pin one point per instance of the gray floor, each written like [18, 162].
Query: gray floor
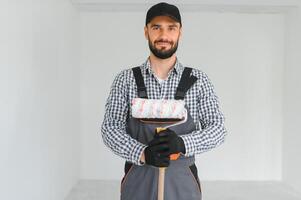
[212, 190]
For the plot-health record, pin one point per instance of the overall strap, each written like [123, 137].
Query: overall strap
[139, 82]
[185, 83]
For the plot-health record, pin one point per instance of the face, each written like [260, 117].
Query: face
[163, 34]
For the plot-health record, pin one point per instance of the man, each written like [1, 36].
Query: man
[160, 77]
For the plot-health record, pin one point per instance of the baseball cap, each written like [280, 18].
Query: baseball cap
[163, 9]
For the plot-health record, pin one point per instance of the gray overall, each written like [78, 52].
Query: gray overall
[181, 179]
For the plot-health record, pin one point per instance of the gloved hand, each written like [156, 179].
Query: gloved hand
[174, 142]
[157, 153]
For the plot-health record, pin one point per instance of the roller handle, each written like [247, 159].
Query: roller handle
[162, 170]
[161, 183]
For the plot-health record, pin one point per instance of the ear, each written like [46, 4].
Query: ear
[180, 34]
[145, 33]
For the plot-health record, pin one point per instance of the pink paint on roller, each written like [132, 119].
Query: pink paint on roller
[174, 106]
[165, 105]
[152, 109]
[142, 106]
[134, 101]
[157, 108]
[162, 107]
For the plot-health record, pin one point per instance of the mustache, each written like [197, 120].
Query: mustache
[163, 41]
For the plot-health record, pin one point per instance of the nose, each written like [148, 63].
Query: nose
[163, 37]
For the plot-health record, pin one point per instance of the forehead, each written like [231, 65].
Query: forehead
[164, 20]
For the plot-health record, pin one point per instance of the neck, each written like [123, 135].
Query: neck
[161, 67]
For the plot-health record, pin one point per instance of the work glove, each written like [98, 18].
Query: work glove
[174, 142]
[157, 153]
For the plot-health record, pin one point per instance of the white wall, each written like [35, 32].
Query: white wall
[243, 54]
[39, 103]
[292, 99]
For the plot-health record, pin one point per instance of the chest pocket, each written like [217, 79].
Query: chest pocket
[186, 82]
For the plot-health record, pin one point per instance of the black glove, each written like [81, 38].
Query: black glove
[174, 142]
[157, 153]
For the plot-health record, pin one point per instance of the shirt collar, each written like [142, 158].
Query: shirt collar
[177, 68]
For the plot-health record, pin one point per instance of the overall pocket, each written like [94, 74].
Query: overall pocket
[194, 174]
[127, 169]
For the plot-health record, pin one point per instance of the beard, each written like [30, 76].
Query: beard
[162, 53]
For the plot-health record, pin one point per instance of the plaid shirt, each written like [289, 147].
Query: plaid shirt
[200, 99]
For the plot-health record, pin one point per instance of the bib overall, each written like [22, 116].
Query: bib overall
[181, 179]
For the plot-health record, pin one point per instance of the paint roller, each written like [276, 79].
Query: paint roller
[162, 111]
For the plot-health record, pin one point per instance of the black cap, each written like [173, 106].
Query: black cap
[163, 9]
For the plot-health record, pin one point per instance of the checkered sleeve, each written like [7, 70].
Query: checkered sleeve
[212, 132]
[113, 127]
